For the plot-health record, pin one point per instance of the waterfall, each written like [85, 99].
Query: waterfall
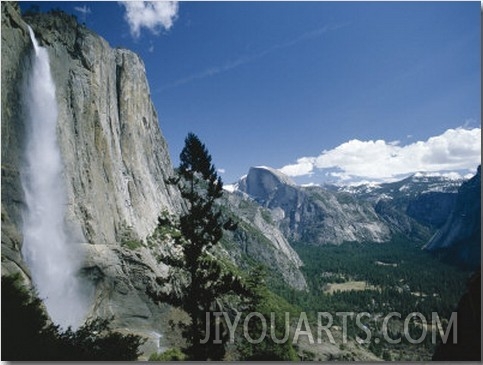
[48, 247]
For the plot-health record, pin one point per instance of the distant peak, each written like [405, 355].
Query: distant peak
[277, 173]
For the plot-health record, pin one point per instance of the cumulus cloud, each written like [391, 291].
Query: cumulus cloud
[152, 15]
[304, 166]
[454, 150]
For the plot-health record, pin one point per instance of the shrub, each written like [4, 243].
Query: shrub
[173, 354]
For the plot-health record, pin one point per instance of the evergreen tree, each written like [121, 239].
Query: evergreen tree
[258, 300]
[200, 228]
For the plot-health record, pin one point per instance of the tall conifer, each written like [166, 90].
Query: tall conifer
[200, 227]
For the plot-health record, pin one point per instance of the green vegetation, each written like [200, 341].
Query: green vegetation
[132, 244]
[408, 278]
[267, 216]
[197, 231]
[400, 278]
[163, 230]
[262, 301]
[128, 238]
[173, 354]
[28, 334]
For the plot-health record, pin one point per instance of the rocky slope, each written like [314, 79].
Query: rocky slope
[427, 198]
[460, 237]
[258, 240]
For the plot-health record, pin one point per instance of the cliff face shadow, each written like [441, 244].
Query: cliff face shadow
[468, 344]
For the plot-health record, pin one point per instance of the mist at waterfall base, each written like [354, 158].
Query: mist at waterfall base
[50, 251]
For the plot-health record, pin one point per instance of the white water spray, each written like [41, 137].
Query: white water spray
[48, 249]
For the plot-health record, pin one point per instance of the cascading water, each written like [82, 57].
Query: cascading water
[48, 248]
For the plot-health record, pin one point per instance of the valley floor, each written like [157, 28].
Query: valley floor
[377, 280]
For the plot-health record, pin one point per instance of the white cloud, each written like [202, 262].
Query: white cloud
[83, 9]
[221, 171]
[454, 150]
[152, 15]
[304, 166]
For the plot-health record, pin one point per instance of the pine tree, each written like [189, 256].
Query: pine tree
[200, 228]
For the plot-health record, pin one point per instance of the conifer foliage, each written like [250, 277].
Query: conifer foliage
[200, 228]
[29, 335]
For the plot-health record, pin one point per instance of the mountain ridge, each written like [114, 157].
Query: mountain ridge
[414, 206]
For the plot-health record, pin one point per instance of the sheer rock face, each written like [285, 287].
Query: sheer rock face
[264, 183]
[115, 157]
[460, 236]
[15, 48]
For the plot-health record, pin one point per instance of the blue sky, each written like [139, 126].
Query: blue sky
[337, 91]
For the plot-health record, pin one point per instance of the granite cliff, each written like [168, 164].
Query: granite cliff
[115, 158]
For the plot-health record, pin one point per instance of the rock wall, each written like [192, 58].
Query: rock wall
[314, 215]
[15, 50]
[459, 239]
[257, 239]
[115, 158]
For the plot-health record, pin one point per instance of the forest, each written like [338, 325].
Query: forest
[397, 276]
